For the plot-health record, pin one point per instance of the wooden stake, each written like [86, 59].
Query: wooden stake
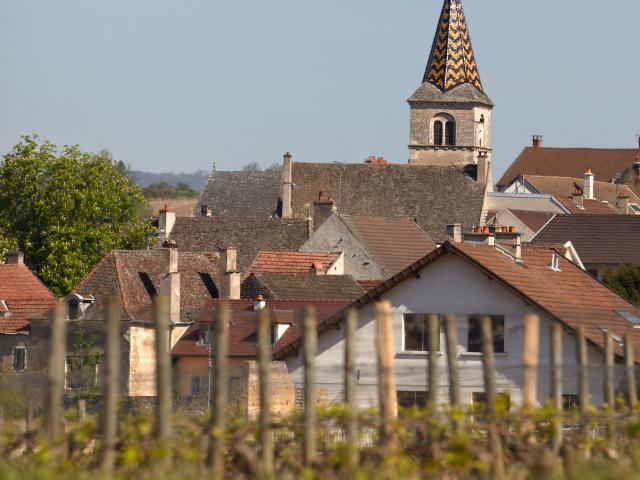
[111, 387]
[310, 350]
[386, 374]
[609, 390]
[451, 336]
[218, 413]
[556, 385]
[57, 359]
[583, 384]
[630, 364]
[351, 426]
[264, 371]
[82, 411]
[530, 361]
[488, 364]
[163, 376]
[433, 325]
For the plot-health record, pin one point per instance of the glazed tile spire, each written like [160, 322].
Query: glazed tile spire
[451, 62]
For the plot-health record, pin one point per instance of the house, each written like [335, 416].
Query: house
[275, 261]
[602, 241]
[22, 296]
[300, 286]
[527, 222]
[205, 233]
[374, 248]
[607, 164]
[470, 276]
[192, 353]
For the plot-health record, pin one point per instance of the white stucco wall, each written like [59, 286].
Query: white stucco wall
[449, 285]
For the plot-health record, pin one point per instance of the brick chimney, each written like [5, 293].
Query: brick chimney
[483, 172]
[228, 261]
[538, 141]
[170, 280]
[622, 201]
[322, 209]
[454, 232]
[479, 236]
[318, 268]
[15, 258]
[510, 240]
[206, 211]
[286, 186]
[588, 188]
[166, 221]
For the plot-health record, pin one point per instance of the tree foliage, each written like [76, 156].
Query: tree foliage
[626, 281]
[66, 208]
[164, 190]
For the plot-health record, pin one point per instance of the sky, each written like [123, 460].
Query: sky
[174, 85]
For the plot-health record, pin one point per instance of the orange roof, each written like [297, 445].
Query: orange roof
[291, 262]
[589, 207]
[24, 294]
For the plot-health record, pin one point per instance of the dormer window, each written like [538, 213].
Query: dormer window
[77, 305]
[206, 335]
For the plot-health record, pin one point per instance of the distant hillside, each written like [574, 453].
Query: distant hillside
[195, 180]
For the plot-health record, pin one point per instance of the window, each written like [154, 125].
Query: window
[570, 401]
[635, 208]
[408, 399]
[206, 335]
[416, 333]
[437, 132]
[199, 383]
[19, 358]
[74, 309]
[628, 316]
[475, 333]
[450, 133]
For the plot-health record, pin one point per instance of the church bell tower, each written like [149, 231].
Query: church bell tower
[450, 112]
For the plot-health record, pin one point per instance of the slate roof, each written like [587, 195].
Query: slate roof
[283, 286]
[242, 331]
[291, 262]
[241, 194]
[613, 239]
[432, 195]
[24, 294]
[134, 278]
[606, 163]
[249, 235]
[571, 295]
[394, 242]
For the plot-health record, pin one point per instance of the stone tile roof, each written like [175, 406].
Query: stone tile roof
[369, 284]
[291, 262]
[432, 195]
[570, 295]
[394, 242]
[613, 239]
[249, 235]
[134, 278]
[241, 194]
[534, 220]
[606, 163]
[282, 286]
[24, 294]
[242, 331]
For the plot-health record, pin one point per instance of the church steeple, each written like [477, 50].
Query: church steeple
[452, 62]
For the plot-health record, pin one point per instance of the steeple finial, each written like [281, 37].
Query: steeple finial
[451, 62]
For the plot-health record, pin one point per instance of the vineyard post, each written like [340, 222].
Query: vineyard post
[451, 336]
[433, 324]
[386, 374]
[310, 348]
[351, 427]
[82, 411]
[630, 364]
[218, 413]
[610, 394]
[264, 372]
[583, 385]
[163, 376]
[56, 378]
[111, 387]
[556, 385]
[530, 361]
[488, 364]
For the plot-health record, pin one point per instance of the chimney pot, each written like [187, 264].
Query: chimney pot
[485, 229]
[330, 199]
[321, 196]
[15, 258]
[259, 303]
[538, 141]
[512, 229]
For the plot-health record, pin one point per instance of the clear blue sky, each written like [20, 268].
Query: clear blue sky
[171, 85]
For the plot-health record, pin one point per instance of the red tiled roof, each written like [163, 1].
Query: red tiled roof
[589, 207]
[291, 262]
[24, 294]
[571, 296]
[242, 331]
[369, 284]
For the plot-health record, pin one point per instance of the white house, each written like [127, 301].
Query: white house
[480, 274]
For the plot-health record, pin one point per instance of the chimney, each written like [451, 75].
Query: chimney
[228, 260]
[166, 221]
[454, 232]
[589, 180]
[286, 187]
[479, 236]
[483, 169]
[538, 141]
[622, 201]
[170, 280]
[510, 240]
[373, 160]
[636, 166]
[322, 209]
[318, 269]
[15, 258]
[206, 211]
[578, 197]
[259, 303]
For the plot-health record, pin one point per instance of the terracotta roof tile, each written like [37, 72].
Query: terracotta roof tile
[291, 262]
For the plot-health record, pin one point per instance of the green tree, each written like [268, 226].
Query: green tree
[252, 167]
[66, 208]
[626, 281]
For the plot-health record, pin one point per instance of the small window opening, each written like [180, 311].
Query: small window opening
[450, 131]
[437, 132]
[19, 359]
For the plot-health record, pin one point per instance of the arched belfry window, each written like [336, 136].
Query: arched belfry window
[437, 132]
[450, 133]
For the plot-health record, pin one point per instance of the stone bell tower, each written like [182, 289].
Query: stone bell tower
[450, 113]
